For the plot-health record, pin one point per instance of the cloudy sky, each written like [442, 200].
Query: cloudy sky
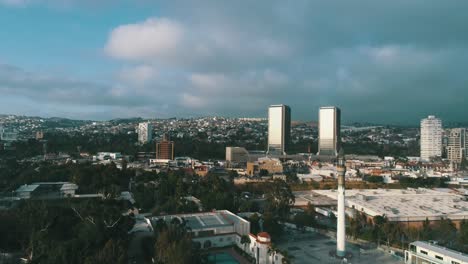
[380, 61]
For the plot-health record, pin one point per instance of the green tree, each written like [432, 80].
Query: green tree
[279, 199]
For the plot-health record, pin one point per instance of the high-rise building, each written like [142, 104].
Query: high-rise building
[456, 146]
[329, 131]
[145, 133]
[279, 129]
[431, 138]
[165, 149]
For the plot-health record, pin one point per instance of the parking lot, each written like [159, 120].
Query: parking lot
[310, 247]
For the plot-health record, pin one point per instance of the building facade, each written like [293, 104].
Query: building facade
[236, 155]
[456, 145]
[421, 252]
[145, 133]
[279, 129]
[165, 149]
[431, 138]
[329, 131]
[218, 229]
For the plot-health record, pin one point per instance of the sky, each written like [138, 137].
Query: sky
[379, 61]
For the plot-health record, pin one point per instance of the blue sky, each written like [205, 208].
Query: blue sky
[380, 61]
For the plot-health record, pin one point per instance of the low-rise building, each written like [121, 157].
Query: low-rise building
[223, 229]
[409, 207]
[46, 190]
[424, 252]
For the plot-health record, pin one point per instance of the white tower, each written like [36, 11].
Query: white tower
[145, 132]
[431, 138]
[341, 221]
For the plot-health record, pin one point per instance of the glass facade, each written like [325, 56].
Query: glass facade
[279, 129]
[329, 131]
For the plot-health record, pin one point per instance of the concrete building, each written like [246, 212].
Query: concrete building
[424, 252]
[329, 131]
[431, 138]
[39, 135]
[8, 134]
[409, 207]
[46, 190]
[145, 132]
[222, 228]
[279, 129]
[165, 149]
[236, 155]
[100, 156]
[456, 145]
[272, 165]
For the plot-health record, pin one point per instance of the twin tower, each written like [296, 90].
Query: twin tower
[279, 138]
[279, 130]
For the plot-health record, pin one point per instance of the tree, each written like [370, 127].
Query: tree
[174, 244]
[245, 240]
[279, 199]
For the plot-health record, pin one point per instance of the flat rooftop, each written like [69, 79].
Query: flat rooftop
[406, 204]
[303, 198]
[208, 220]
[309, 247]
[442, 250]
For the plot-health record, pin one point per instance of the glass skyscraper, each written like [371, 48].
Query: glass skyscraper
[279, 129]
[329, 131]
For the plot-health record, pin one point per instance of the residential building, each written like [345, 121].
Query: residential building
[329, 131]
[279, 129]
[100, 156]
[236, 155]
[145, 132]
[46, 190]
[431, 138]
[421, 252]
[456, 146]
[7, 134]
[165, 149]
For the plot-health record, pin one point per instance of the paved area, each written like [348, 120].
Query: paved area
[312, 247]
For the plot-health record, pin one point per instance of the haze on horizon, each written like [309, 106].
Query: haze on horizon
[379, 61]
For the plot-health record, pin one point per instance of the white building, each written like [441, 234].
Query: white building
[421, 252]
[236, 155]
[46, 190]
[431, 138]
[100, 156]
[329, 131]
[456, 145]
[279, 129]
[8, 134]
[145, 133]
[223, 229]
[405, 205]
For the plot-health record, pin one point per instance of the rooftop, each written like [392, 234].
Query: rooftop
[442, 250]
[406, 204]
[208, 220]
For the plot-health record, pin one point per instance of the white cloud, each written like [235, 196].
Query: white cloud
[138, 75]
[155, 38]
[192, 101]
[16, 3]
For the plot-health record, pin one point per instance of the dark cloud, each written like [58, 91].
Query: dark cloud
[380, 61]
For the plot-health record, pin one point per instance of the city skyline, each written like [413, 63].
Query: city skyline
[100, 61]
